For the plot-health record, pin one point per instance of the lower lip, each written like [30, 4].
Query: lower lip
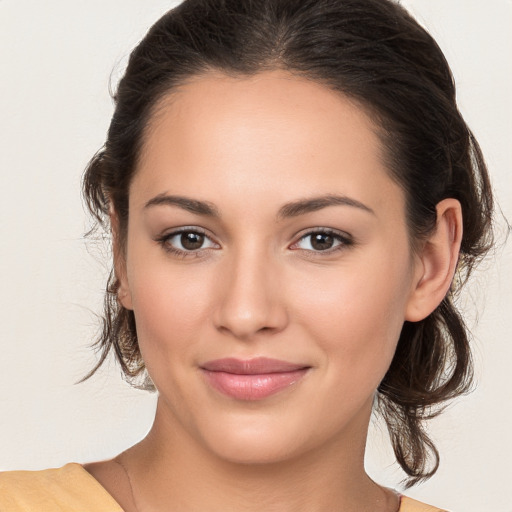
[252, 387]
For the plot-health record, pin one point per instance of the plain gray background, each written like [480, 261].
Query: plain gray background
[56, 59]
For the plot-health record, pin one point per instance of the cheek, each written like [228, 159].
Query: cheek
[170, 308]
[356, 314]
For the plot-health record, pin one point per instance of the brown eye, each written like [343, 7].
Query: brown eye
[187, 242]
[192, 241]
[322, 241]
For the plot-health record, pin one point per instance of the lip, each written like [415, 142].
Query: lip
[252, 379]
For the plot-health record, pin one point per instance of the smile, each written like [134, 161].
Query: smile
[253, 379]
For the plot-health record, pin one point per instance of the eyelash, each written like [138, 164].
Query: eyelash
[344, 239]
[164, 241]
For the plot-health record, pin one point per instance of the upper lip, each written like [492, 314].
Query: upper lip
[258, 365]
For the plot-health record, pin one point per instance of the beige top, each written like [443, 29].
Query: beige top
[72, 489]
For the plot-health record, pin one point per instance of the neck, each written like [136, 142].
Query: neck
[169, 468]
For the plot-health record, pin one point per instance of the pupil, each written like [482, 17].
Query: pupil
[192, 241]
[321, 241]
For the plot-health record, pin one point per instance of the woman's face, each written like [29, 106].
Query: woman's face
[267, 263]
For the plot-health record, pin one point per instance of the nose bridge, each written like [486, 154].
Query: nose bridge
[250, 299]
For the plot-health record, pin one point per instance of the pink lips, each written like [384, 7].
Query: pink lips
[252, 379]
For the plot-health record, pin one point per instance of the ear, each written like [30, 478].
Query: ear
[436, 262]
[123, 292]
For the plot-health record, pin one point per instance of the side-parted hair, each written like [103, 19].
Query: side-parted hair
[374, 52]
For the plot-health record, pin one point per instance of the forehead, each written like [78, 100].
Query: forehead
[269, 104]
[273, 132]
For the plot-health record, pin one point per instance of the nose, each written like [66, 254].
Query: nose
[250, 300]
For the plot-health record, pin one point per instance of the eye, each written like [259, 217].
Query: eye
[186, 241]
[323, 241]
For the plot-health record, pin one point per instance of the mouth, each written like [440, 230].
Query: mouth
[252, 379]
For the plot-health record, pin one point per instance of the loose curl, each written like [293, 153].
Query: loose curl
[374, 52]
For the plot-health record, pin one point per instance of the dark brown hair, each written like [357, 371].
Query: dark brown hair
[374, 52]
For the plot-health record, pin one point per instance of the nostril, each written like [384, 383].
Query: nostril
[248, 300]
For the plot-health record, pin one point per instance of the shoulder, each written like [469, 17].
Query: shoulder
[410, 505]
[69, 488]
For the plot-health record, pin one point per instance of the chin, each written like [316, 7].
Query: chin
[257, 442]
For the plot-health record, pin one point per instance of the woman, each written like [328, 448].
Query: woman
[291, 191]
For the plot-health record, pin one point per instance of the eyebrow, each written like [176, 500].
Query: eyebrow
[293, 209]
[186, 203]
[314, 204]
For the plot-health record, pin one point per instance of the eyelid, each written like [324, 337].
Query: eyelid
[345, 239]
[164, 238]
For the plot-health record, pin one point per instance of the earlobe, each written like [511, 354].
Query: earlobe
[436, 262]
[123, 291]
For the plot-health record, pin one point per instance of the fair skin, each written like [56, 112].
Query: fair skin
[228, 257]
